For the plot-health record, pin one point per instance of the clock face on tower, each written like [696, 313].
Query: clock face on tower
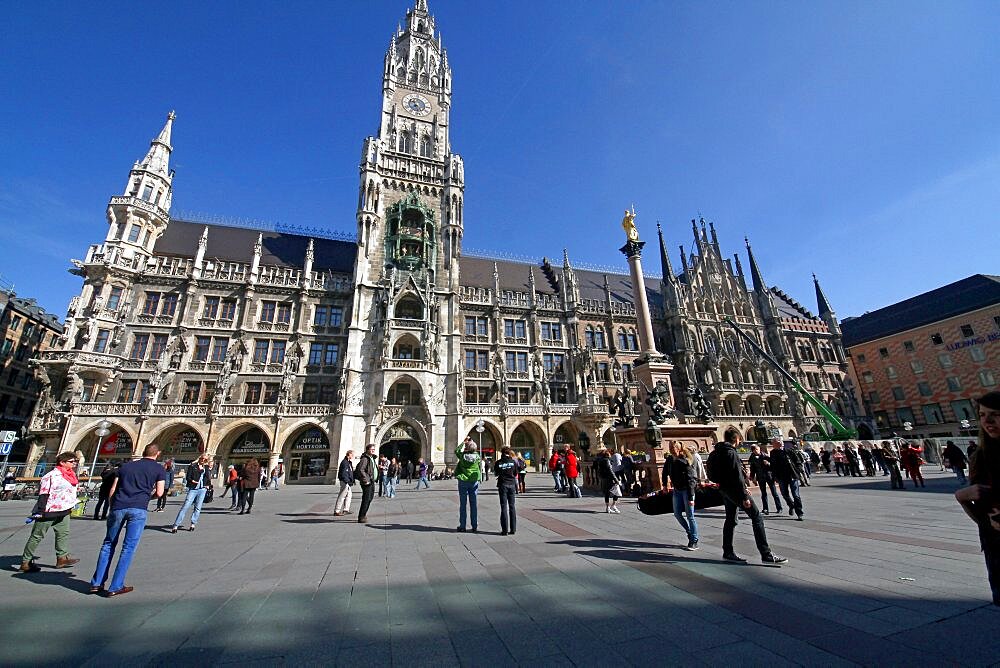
[416, 105]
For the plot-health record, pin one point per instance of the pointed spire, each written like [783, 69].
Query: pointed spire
[496, 278]
[421, 6]
[665, 268]
[158, 157]
[566, 264]
[715, 238]
[758, 279]
[199, 257]
[821, 301]
[704, 233]
[684, 265]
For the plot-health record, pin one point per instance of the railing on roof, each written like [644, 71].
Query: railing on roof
[262, 226]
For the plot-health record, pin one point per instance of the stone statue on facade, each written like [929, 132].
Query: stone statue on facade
[702, 408]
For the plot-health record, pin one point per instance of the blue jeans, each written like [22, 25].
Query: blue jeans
[133, 521]
[682, 507]
[557, 477]
[195, 497]
[390, 487]
[423, 479]
[467, 492]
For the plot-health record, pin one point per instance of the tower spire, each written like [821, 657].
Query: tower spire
[758, 280]
[665, 267]
[157, 159]
[821, 301]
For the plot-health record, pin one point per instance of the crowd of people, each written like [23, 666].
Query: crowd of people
[779, 471]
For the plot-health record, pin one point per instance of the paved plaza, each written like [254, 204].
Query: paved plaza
[876, 577]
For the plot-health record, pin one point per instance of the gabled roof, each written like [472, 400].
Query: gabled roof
[969, 294]
[235, 244]
[788, 307]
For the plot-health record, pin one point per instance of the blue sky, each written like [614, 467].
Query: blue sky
[858, 140]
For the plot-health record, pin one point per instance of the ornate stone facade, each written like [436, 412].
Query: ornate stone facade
[247, 343]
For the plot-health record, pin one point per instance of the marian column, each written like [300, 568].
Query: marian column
[652, 369]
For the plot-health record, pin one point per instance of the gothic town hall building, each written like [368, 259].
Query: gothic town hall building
[272, 344]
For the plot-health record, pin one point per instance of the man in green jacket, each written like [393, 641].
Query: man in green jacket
[467, 471]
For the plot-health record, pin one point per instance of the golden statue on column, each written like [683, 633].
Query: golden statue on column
[628, 224]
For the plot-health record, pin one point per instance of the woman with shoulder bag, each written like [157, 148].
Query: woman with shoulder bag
[198, 481]
[249, 482]
[56, 498]
[681, 474]
[610, 483]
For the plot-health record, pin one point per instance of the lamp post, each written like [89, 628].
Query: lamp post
[480, 428]
[103, 429]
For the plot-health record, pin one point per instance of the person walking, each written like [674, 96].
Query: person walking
[787, 475]
[409, 471]
[555, 468]
[572, 473]
[197, 480]
[345, 475]
[136, 483]
[278, 474]
[825, 457]
[391, 471]
[249, 483]
[611, 484]
[367, 473]
[467, 473]
[877, 455]
[956, 460]
[422, 471]
[980, 500]
[726, 470]
[852, 460]
[801, 463]
[56, 499]
[161, 502]
[522, 473]
[506, 469]
[892, 463]
[911, 461]
[679, 475]
[867, 459]
[383, 467]
[840, 461]
[104, 493]
[760, 472]
[232, 485]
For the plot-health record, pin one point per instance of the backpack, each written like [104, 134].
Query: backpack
[710, 467]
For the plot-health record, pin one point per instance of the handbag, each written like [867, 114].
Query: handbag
[616, 490]
[210, 495]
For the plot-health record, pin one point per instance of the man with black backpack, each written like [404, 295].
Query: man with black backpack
[726, 470]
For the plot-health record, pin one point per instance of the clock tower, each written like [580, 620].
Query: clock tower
[409, 236]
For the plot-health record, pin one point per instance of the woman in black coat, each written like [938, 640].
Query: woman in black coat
[610, 484]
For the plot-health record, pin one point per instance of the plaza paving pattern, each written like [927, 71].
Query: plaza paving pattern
[876, 577]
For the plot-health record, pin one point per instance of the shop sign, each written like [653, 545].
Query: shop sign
[974, 341]
[311, 439]
[253, 442]
[118, 443]
[187, 442]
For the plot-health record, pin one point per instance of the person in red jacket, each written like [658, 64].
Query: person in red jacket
[556, 469]
[572, 471]
[912, 461]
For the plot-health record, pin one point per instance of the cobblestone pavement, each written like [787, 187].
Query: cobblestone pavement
[876, 577]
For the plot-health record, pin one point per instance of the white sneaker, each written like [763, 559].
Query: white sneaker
[616, 511]
[608, 509]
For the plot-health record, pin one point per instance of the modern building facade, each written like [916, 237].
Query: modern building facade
[277, 344]
[26, 330]
[922, 362]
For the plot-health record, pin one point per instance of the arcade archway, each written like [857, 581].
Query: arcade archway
[403, 442]
[528, 440]
[242, 445]
[307, 454]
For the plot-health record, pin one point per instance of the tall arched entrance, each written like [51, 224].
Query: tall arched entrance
[249, 443]
[402, 441]
[528, 440]
[182, 443]
[489, 440]
[307, 455]
[865, 432]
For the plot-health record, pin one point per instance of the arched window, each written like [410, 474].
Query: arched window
[588, 337]
[622, 340]
[425, 146]
[599, 341]
[633, 342]
[405, 142]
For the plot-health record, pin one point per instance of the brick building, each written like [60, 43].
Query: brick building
[924, 360]
[25, 330]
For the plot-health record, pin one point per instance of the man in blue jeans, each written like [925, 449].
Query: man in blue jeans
[137, 483]
[197, 480]
[467, 472]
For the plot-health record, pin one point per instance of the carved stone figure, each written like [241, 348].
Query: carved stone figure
[658, 400]
[702, 408]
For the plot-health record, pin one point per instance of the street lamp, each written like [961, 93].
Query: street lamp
[481, 427]
[103, 429]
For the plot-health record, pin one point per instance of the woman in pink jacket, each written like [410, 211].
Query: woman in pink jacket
[56, 498]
